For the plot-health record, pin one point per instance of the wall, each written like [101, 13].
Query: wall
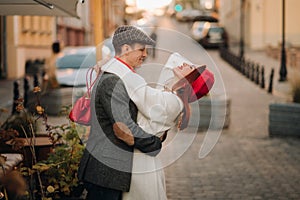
[76, 32]
[273, 24]
[28, 37]
[229, 13]
[263, 22]
[256, 24]
[292, 24]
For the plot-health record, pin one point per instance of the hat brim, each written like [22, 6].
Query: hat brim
[201, 86]
[189, 78]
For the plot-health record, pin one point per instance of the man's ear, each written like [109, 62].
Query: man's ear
[126, 48]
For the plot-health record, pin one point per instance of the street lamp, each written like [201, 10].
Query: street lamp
[283, 71]
[242, 30]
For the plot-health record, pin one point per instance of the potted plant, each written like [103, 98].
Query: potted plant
[18, 128]
[54, 177]
[295, 88]
[58, 173]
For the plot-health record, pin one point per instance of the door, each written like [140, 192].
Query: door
[3, 47]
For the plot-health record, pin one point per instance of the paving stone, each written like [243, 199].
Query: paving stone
[245, 163]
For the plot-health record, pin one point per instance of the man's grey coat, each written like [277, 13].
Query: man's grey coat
[107, 161]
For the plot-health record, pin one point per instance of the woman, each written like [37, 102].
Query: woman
[148, 181]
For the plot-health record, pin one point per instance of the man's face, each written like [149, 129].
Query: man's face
[136, 55]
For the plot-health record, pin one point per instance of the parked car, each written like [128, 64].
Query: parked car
[74, 62]
[209, 35]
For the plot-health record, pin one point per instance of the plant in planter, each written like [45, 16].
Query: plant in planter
[22, 124]
[17, 130]
[295, 85]
[20, 121]
[58, 173]
[56, 176]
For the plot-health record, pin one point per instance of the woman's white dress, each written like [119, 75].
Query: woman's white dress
[148, 178]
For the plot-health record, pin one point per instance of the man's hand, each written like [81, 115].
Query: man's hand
[164, 136]
[123, 133]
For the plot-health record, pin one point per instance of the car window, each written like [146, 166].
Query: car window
[215, 33]
[216, 30]
[77, 57]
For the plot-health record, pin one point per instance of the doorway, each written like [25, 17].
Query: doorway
[3, 64]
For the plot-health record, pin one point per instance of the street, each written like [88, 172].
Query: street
[245, 163]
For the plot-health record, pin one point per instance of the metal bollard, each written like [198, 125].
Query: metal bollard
[26, 90]
[271, 81]
[262, 81]
[248, 69]
[16, 96]
[257, 74]
[242, 66]
[242, 62]
[252, 71]
[35, 80]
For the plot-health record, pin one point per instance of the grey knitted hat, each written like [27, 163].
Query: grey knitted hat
[130, 34]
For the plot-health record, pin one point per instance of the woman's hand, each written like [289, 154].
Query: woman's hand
[123, 133]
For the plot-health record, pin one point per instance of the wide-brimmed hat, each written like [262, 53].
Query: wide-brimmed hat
[202, 85]
[128, 34]
[200, 81]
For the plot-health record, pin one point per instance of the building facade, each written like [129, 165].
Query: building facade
[262, 22]
[24, 38]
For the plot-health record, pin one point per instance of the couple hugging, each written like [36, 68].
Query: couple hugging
[130, 120]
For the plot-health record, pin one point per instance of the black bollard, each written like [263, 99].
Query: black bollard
[247, 69]
[257, 74]
[271, 81]
[26, 90]
[16, 96]
[237, 62]
[262, 81]
[242, 65]
[252, 71]
[35, 80]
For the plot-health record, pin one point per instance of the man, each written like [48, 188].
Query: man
[50, 80]
[106, 165]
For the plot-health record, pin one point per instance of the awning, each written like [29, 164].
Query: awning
[65, 8]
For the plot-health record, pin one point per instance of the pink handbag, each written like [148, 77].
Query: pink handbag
[81, 111]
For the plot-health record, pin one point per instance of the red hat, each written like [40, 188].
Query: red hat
[202, 85]
[200, 82]
[192, 87]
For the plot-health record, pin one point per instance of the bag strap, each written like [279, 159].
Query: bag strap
[89, 82]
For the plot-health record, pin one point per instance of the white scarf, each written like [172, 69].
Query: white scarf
[158, 110]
